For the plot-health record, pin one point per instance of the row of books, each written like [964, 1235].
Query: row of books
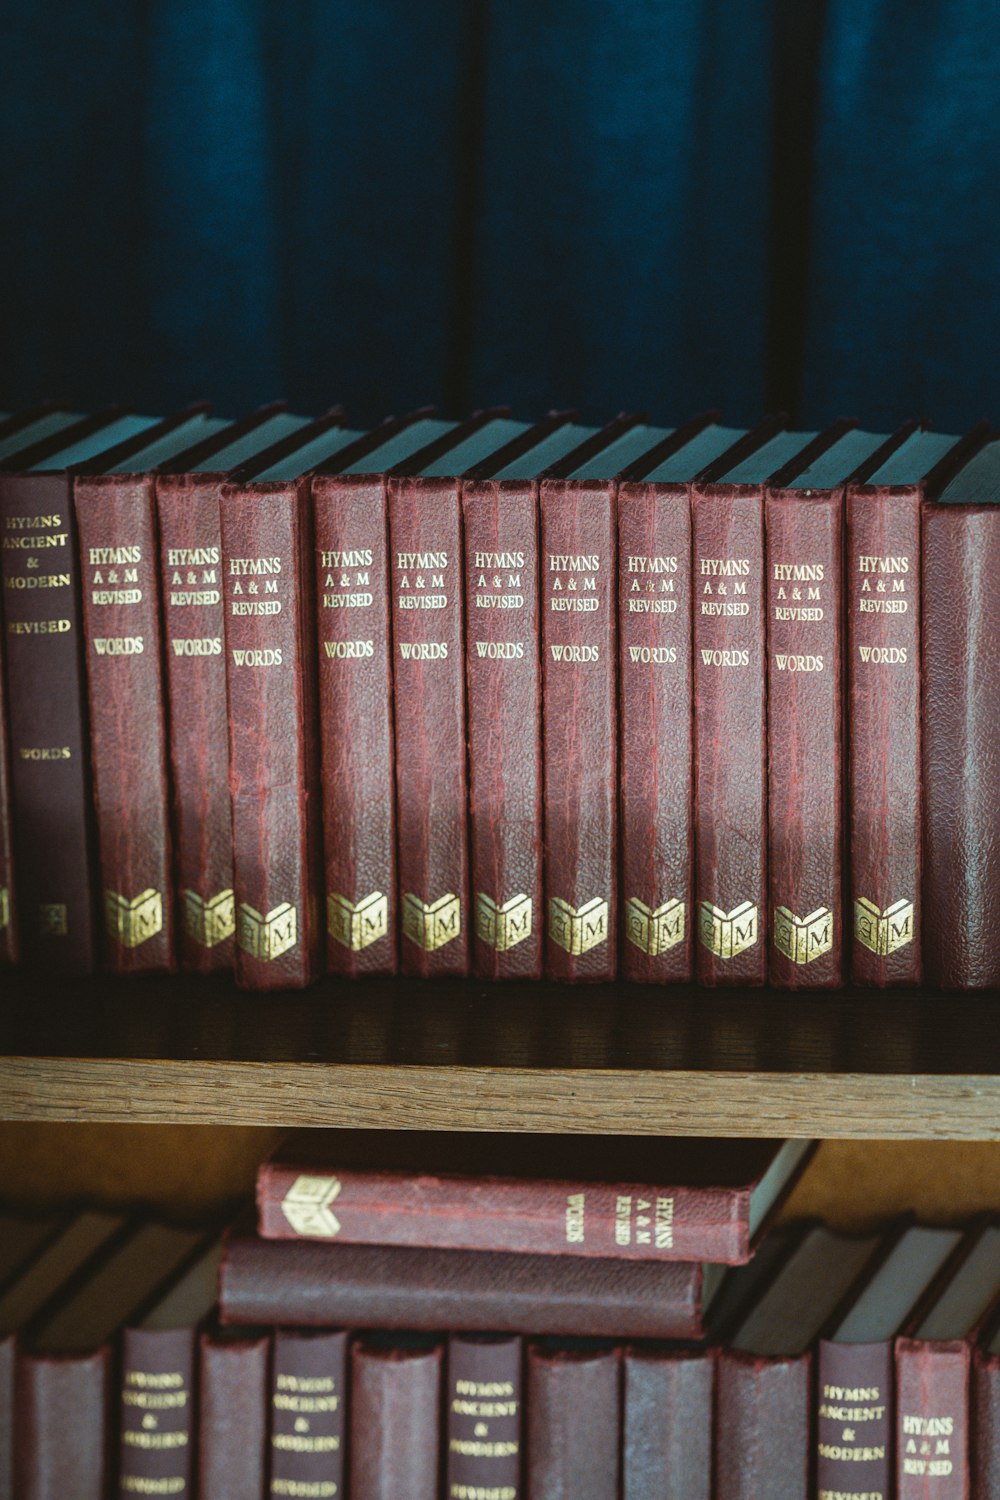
[498, 698]
[139, 1358]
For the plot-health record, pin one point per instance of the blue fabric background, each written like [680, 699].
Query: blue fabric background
[658, 204]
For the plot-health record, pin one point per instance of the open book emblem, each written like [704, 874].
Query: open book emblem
[356, 924]
[306, 1206]
[578, 928]
[209, 922]
[883, 931]
[653, 932]
[803, 938]
[728, 933]
[431, 924]
[269, 936]
[133, 922]
[505, 926]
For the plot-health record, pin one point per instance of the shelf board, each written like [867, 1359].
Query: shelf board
[462, 1055]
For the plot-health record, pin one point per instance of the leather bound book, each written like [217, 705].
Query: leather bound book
[960, 559]
[574, 1422]
[309, 1284]
[668, 1395]
[233, 1391]
[730, 680]
[985, 1417]
[355, 695]
[610, 1197]
[395, 1419]
[8, 927]
[308, 1395]
[274, 768]
[885, 799]
[483, 1419]
[187, 499]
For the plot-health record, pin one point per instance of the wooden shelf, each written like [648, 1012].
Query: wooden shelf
[401, 1054]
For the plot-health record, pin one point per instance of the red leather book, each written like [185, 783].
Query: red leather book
[8, 927]
[484, 1414]
[274, 769]
[985, 1419]
[960, 715]
[574, 1422]
[116, 519]
[727, 520]
[308, 1397]
[668, 1395]
[310, 1284]
[395, 1419]
[190, 560]
[233, 1390]
[425, 532]
[620, 1197]
[355, 696]
[885, 798]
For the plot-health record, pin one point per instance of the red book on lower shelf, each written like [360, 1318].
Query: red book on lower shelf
[233, 1391]
[308, 1405]
[8, 930]
[483, 1416]
[395, 1419]
[573, 1422]
[667, 1423]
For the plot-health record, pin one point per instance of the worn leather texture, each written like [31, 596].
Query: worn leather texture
[233, 1416]
[8, 1357]
[274, 771]
[885, 803]
[933, 1389]
[580, 720]
[310, 1284]
[164, 1454]
[574, 1423]
[194, 630]
[985, 1426]
[805, 717]
[505, 719]
[762, 1427]
[395, 1422]
[128, 731]
[961, 744]
[656, 740]
[854, 1418]
[8, 913]
[355, 709]
[730, 727]
[667, 1423]
[484, 1415]
[308, 1404]
[61, 1427]
[425, 527]
[53, 828]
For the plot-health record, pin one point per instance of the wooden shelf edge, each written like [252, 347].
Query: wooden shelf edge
[861, 1106]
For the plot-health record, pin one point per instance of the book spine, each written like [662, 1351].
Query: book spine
[667, 1424]
[730, 735]
[884, 782]
[932, 1420]
[657, 849]
[580, 725]
[50, 741]
[805, 709]
[306, 1284]
[620, 1221]
[425, 529]
[986, 1427]
[356, 730]
[273, 740]
[395, 1422]
[762, 1434]
[194, 626]
[574, 1422]
[156, 1432]
[128, 735]
[232, 1417]
[854, 1407]
[308, 1392]
[61, 1427]
[505, 727]
[8, 928]
[8, 1357]
[961, 743]
[484, 1416]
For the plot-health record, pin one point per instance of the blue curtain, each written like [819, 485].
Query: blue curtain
[652, 204]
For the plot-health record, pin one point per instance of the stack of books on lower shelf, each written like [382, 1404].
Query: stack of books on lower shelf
[391, 1330]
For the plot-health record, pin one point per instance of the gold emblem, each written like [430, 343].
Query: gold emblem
[578, 928]
[133, 922]
[503, 926]
[728, 933]
[209, 922]
[883, 931]
[4, 907]
[356, 924]
[53, 920]
[270, 936]
[431, 925]
[306, 1206]
[653, 932]
[803, 938]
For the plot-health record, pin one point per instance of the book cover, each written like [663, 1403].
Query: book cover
[233, 1392]
[395, 1419]
[483, 1416]
[573, 1422]
[308, 1412]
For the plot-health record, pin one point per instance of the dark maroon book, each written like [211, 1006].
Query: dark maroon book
[484, 1416]
[668, 1397]
[308, 1401]
[233, 1379]
[574, 1422]
[395, 1418]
